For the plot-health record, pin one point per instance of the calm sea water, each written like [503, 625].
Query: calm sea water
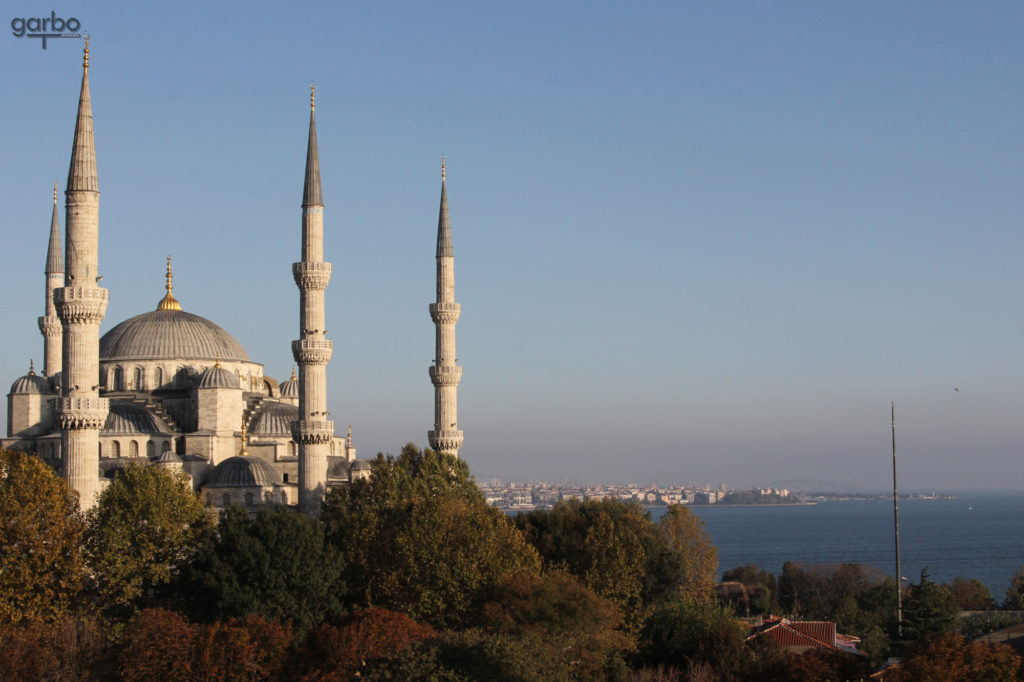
[976, 535]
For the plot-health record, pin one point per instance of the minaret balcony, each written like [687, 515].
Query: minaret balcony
[446, 440]
[445, 375]
[82, 413]
[50, 325]
[313, 431]
[78, 305]
[312, 351]
[312, 276]
[445, 313]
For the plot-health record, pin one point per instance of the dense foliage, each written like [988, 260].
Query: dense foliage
[143, 531]
[41, 563]
[420, 538]
[411, 575]
[278, 565]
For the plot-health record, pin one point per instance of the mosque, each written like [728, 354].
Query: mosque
[172, 389]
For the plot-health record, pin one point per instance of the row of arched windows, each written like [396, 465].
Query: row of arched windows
[247, 498]
[131, 448]
[119, 378]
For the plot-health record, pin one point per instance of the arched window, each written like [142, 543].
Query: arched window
[165, 446]
[133, 449]
[118, 379]
[138, 383]
[116, 448]
[100, 449]
[158, 378]
[248, 499]
[226, 500]
[150, 449]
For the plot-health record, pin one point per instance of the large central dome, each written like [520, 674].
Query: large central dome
[170, 334]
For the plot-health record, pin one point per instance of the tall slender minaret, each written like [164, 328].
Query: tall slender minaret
[49, 324]
[444, 373]
[313, 431]
[81, 306]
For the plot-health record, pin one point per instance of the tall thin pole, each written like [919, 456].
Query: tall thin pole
[896, 523]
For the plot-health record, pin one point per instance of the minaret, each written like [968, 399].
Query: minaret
[49, 324]
[444, 373]
[81, 306]
[313, 431]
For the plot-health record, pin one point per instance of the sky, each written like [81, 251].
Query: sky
[694, 242]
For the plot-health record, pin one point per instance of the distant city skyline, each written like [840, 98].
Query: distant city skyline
[693, 243]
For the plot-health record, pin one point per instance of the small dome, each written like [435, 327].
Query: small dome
[290, 387]
[126, 418]
[30, 383]
[361, 465]
[168, 457]
[242, 472]
[217, 377]
[274, 419]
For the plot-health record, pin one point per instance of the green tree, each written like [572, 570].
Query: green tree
[971, 594]
[144, 528]
[681, 633]
[41, 562]
[929, 609]
[420, 538]
[697, 557]
[278, 565]
[1015, 592]
[615, 549]
[760, 588]
[568, 627]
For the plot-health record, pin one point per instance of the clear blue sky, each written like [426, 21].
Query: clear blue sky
[695, 242]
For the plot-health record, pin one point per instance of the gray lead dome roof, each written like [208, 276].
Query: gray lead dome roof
[170, 335]
[274, 419]
[126, 418]
[217, 377]
[242, 472]
[31, 383]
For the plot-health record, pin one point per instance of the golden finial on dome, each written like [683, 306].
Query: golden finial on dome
[245, 439]
[85, 60]
[31, 368]
[168, 302]
[312, 96]
[218, 361]
[293, 372]
[442, 167]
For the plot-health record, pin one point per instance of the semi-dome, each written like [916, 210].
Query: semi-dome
[217, 377]
[30, 383]
[242, 472]
[126, 418]
[170, 335]
[274, 419]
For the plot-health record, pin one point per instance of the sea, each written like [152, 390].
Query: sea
[974, 535]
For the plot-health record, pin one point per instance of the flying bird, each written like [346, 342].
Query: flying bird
[956, 389]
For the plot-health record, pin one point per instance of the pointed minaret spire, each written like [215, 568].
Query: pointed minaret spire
[312, 193]
[444, 227]
[49, 323]
[444, 373]
[82, 173]
[54, 255]
[81, 306]
[313, 431]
